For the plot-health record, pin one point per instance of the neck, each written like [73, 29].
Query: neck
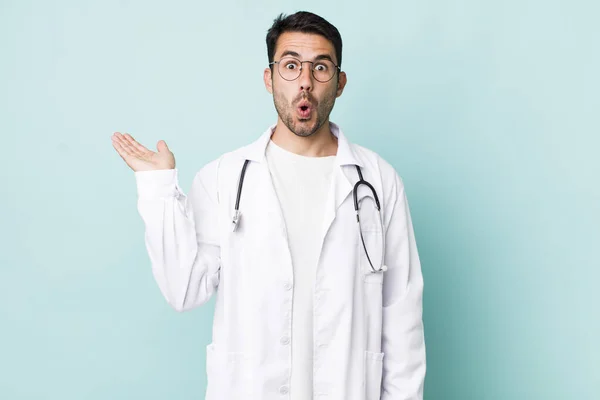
[322, 143]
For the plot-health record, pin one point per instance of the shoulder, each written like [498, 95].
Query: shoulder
[384, 176]
[222, 169]
[223, 161]
[390, 177]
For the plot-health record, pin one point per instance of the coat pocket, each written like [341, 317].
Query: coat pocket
[373, 374]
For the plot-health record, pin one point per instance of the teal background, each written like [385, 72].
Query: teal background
[488, 110]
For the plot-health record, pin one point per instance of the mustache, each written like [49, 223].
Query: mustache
[307, 97]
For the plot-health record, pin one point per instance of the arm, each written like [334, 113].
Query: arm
[181, 234]
[403, 339]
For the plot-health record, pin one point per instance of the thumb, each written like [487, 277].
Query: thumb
[162, 146]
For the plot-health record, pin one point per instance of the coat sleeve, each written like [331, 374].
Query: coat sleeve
[403, 341]
[181, 234]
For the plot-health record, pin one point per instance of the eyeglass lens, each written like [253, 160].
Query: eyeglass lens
[290, 68]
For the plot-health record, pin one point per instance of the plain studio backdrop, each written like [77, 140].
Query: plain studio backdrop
[488, 110]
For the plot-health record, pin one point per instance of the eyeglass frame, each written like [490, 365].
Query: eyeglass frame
[312, 70]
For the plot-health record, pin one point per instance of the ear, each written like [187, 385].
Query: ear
[342, 80]
[267, 77]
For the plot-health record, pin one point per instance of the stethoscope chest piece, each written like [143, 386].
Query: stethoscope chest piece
[383, 269]
[236, 219]
[237, 214]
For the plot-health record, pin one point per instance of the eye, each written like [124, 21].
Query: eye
[291, 65]
[321, 67]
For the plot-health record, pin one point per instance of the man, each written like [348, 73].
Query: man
[312, 301]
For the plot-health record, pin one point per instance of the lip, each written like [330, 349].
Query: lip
[304, 103]
[306, 113]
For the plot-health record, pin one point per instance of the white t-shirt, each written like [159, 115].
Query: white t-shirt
[302, 185]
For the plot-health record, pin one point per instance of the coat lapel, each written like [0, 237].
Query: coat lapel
[339, 189]
[341, 185]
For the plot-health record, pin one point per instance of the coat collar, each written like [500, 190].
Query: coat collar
[346, 155]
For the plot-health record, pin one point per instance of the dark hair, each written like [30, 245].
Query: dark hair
[305, 22]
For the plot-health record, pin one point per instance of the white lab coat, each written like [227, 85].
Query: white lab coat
[368, 330]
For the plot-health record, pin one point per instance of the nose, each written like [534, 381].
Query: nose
[306, 78]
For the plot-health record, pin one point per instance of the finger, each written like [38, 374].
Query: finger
[121, 150]
[161, 146]
[128, 150]
[117, 135]
[135, 144]
[127, 144]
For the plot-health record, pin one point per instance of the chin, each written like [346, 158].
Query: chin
[304, 131]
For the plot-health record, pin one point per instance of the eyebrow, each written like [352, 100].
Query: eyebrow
[319, 57]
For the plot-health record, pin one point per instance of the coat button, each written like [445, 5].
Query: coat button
[287, 286]
[285, 340]
[283, 390]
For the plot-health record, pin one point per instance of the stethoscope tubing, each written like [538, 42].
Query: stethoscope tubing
[361, 181]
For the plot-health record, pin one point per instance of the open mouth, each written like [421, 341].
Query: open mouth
[304, 110]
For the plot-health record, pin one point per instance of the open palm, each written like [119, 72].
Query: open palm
[140, 158]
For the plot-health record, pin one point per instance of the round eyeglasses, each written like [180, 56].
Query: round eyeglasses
[290, 69]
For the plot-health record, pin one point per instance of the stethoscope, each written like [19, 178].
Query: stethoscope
[361, 181]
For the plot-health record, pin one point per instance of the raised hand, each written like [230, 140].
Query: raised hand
[140, 158]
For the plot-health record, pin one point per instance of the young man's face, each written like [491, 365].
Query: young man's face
[304, 104]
